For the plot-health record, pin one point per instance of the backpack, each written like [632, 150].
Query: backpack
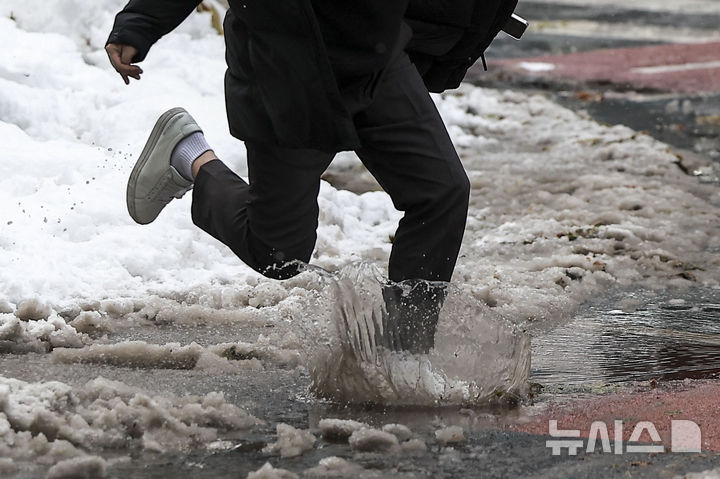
[450, 35]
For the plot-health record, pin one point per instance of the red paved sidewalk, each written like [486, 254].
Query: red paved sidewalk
[699, 403]
[676, 68]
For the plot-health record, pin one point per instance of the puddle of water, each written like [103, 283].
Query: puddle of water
[478, 357]
[665, 338]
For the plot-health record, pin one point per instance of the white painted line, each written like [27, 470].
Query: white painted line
[624, 30]
[536, 66]
[676, 68]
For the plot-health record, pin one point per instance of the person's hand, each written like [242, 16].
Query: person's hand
[121, 58]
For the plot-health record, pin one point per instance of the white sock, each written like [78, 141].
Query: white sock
[186, 152]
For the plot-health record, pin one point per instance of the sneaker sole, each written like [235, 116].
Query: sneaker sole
[145, 155]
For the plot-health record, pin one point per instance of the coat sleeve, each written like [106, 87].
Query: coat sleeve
[142, 22]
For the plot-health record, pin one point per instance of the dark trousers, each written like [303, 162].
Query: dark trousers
[272, 221]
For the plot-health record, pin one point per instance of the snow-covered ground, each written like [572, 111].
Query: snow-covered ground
[562, 209]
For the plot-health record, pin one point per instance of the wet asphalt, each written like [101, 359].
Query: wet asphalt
[688, 122]
[486, 454]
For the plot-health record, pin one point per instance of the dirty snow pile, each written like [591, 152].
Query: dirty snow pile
[35, 327]
[563, 207]
[225, 357]
[709, 474]
[53, 421]
[360, 437]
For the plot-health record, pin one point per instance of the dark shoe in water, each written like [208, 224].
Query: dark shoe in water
[412, 310]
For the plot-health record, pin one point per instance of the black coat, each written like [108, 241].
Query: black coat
[281, 86]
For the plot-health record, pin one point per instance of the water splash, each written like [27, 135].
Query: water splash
[478, 357]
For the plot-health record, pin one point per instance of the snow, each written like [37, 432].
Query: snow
[92, 323]
[269, 472]
[227, 357]
[5, 307]
[709, 474]
[21, 336]
[33, 309]
[7, 466]
[339, 429]
[56, 422]
[573, 194]
[134, 354]
[334, 466]
[451, 434]
[402, 432]
[89, 467]
[373, 440]
[413, 446]
[562, 209]
[291, 442]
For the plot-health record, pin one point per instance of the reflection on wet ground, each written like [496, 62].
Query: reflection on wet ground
[649, 336]
[618, 339]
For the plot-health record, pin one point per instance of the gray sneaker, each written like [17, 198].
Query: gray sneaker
[154, 182]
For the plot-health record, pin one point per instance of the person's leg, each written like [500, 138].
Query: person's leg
[408, 150]
[270, 222]
[206, 157]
